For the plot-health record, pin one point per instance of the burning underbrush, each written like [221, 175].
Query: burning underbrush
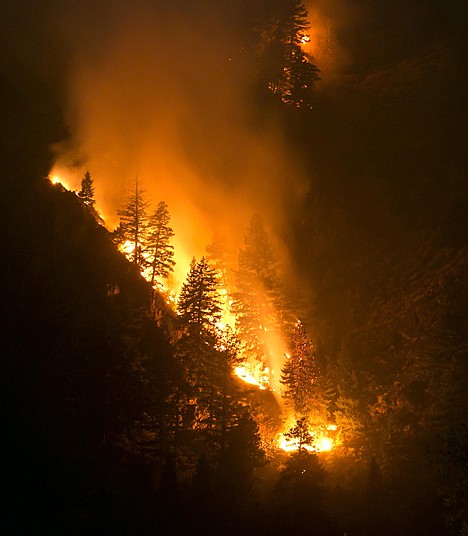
[242, 313]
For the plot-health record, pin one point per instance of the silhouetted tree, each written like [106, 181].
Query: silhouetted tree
[199, 305]
[207, 353]
[133, 225]
[299, 496]
[160, 251]
[349, 408]
[234, 477]
[87, 190]
[301, 435]
[285, 69]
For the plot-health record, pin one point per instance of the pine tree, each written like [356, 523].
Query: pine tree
[285, 68]
[304, 389]
[208, 354]
[300, 435]
[160, 251]
[199, 304]
[87, 190]
[133, 225]
[258, 302]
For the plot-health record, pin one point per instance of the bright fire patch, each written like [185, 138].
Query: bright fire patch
[56, 179]
[249, 375]
[321, 444]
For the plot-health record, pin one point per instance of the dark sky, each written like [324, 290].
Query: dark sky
[374, 31]
[395, 30]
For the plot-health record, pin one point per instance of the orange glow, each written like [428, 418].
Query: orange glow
[213, 171]
[58, 179]
[322, 443]
[324, 438]
[253, 375]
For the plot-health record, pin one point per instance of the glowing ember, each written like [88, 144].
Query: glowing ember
[305, 39]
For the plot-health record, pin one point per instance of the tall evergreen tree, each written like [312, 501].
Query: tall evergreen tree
[199, 305]
[133, 225]
[304, 388]
[301, 435]
[160, 250]
[208, 354]
[87, 190]
[285, 69]
[258, 302]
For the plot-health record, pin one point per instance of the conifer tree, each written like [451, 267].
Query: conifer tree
[286, 69]
[300, 371]
[207, 354]
[258, 303]
[199, 305]
[300, 435]
[160, 250]
[133, 225]
[87, 190]
[304, 387]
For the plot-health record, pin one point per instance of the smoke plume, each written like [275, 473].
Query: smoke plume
[163, 93]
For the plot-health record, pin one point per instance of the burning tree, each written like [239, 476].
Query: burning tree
[304, 390]
[257, 299]
[133, 226]
[160, 251]
[86, 194]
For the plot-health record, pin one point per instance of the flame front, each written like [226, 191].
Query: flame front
[322, 443]
[58, 179]
[252, 375]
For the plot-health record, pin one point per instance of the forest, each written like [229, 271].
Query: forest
[300, 367]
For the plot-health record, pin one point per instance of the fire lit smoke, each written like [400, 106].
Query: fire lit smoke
[329, 20]
[162, 93]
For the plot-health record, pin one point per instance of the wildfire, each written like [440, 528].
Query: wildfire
[322, 442]
[253, 375]
[57, 179]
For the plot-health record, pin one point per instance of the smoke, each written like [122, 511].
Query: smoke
[331, 23]
[163, 92]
